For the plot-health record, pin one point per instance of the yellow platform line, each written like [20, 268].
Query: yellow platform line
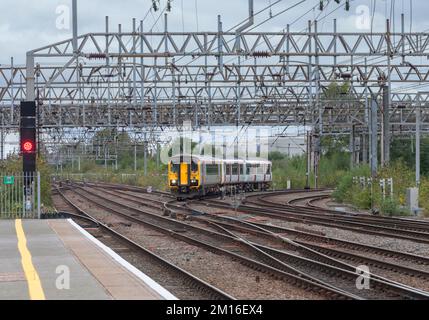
[34, 285]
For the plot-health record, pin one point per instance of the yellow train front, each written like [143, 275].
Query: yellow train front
[197, 176]
[184, 176]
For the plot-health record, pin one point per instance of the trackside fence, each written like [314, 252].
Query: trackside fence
[19, 195]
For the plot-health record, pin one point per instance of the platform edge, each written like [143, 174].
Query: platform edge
[164, 293]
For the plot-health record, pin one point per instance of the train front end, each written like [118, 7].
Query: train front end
[184, 177]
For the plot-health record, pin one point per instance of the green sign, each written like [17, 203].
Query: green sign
[9, 180]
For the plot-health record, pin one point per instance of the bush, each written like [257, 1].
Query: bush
[346, 191]
[392, 208]
[403, 178]
[14, 165]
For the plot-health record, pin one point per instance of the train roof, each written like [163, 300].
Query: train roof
[197, 158]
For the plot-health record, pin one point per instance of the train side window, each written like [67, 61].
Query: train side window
[268, 169]
[175, 167]
[212, 169]
[248, 169]
[252, 169]
[194, 166]
[235, 169]
[241, 169]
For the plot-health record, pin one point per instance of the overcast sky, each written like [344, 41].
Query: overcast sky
[30, 24]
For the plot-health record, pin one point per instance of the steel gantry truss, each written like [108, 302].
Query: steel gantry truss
[149, 81]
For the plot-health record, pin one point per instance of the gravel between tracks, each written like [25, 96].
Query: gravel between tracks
[382, 242]
[222, 272]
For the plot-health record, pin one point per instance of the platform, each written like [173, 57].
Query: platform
[58, 260]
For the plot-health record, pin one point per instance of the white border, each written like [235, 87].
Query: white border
[146, 279]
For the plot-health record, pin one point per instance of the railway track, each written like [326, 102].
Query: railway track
[315, 239]
[311, 208]
[280, 273]
[178, 281]
[283, 260]
[304, 235]
[261, 207]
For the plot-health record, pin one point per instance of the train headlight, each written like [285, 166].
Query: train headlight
[194, 182]
[173, 182]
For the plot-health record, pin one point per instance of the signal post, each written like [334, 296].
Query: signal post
[28, 145]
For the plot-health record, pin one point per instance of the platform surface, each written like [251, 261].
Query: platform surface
[56, 260]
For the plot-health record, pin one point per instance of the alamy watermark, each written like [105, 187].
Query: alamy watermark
[364, 277]
[62, 281]
[220, 143]
[63, 20]
[363, 18]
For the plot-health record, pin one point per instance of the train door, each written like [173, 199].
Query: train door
[184, 174]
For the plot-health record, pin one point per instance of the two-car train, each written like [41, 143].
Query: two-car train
[196, 176]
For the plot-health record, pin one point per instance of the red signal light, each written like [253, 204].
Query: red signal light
[28, 146]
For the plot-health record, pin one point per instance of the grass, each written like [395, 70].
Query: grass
[335, 172]
[359, 196]
[13, 165]
[156, 176]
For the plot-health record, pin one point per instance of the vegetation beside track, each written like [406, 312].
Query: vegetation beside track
[13, 165]
[335, 172]
[156, 176]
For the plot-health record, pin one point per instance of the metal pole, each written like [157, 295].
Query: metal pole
[352, 147]
[249, 23]
[145, 155]
[108, 66]
[374, 140]
[307, 184]
[135, 157]
[157, 155]
[386, 127]
[173, 88]
[2, 140]
[30, 95]
[38, 195]
[12, 94]
[134, 63]
[418, 115]
[219, 43]
[387, 99]
[74, 13]
[142, 77]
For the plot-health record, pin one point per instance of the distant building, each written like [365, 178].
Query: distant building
[291, 146]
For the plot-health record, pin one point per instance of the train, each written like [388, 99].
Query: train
[191, 176]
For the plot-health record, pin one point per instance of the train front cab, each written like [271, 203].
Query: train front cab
[184, 177]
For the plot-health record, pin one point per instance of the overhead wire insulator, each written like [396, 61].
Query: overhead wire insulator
[261, 54]
[321, 6]
[347, 5]
[155, 5]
